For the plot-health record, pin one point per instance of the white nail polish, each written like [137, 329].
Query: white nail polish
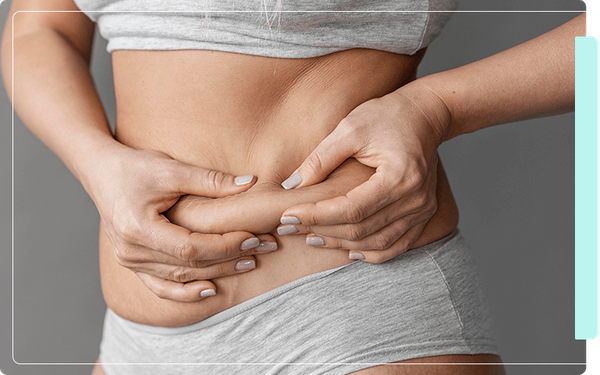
[249, 243]
[243, 180]
[287, 229]
[315, 241]
[243, 265]
[267, 246]
[208, 293]
[293, 181]
[289, 220]
[356, 256]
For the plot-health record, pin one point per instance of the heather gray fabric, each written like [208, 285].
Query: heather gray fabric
[276, 28]
[422, 303]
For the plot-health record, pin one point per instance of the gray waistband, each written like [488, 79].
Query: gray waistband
[256, 301]
[424, 302]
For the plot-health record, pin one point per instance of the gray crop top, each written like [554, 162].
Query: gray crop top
[275, 28]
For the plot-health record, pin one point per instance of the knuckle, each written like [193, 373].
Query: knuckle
[221, 270]
[127, 230]
[314, 163]
[421, 201]
[350, 124]
[355, 214]
[181, 275]
[168, 174]
[413, 181]
[414, 176]
[170, 171]
[213, 180]
[124, 255]
[199, 263]
[355, 232]
[232, 249]
[382, 241]
[310, 216]
[395, 176]
[185, 250]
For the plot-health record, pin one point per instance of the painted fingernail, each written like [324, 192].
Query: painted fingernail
[293, 181]
[249, 243]
[356, 256]
[208, 293]
[289, 220]
[315, 241]
[243, 180]
[267, 246]
[245, 265]
[286, 229]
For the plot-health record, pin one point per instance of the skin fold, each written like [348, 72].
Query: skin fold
[189, 121]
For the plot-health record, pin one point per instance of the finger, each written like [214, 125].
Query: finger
[182, 292]
[209, 183]
[353, 207]
[267, 244]
[401, 246]
[380, 240]
[422, 202]
[329, 154]
[387, 185]
[142, 259]
[188, 274]
[180, 243]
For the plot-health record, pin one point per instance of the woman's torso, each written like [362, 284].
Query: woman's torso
[245, 114]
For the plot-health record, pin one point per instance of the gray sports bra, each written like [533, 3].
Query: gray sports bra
[276, 28]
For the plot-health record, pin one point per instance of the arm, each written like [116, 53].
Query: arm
[531, 80]
[55, 97]
[399, 135]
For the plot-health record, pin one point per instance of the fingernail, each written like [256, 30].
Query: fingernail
[289, 220]
[243, 180]
[356, 256]
[267, 246]
[208, 293]
[315, 241]
[245, 265]
[249, 243]
[286, 229]
[293, 181]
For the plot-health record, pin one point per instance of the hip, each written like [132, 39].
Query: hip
[340, 320]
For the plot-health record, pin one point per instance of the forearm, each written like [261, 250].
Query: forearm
[54, 96]
[534, 79]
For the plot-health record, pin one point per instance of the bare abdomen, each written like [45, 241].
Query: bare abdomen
[249, 115]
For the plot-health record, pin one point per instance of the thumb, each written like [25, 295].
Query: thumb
[328, 155]
[209, 183]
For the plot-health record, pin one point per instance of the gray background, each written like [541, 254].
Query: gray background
[514, 185]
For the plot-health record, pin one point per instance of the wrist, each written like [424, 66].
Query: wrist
[434, 109]
[93, 152]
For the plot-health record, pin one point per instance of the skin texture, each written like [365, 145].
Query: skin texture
[531, 80]
[64, 112]
[258, 209]
[265, 125]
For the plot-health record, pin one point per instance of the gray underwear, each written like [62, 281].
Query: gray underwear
[422, 303]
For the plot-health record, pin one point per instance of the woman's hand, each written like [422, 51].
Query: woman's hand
[259, 209]
[132, 188]
[397, 134]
